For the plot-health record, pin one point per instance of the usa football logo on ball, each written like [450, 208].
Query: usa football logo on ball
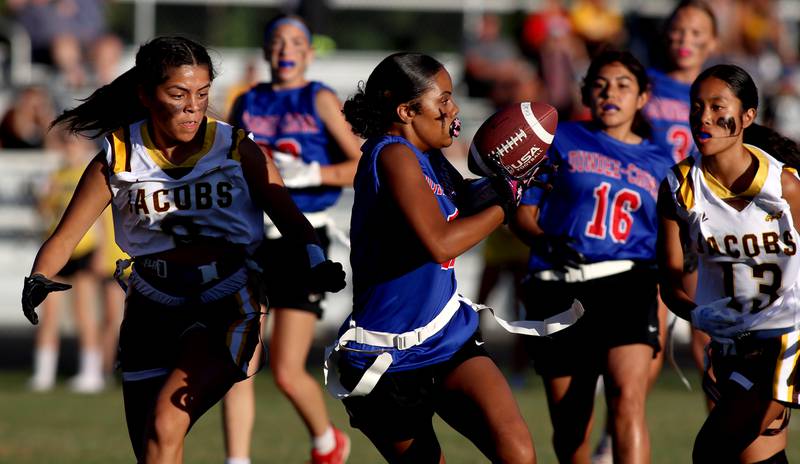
[513, 141]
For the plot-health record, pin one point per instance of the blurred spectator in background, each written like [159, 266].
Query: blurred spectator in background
[112, 297]
[25, 123]
[783, 108]
[548, 38]
[69, 35]
[250, 77]
[53, 201]
[728, 35]
[520, 85]
[598, 23]
[763, 43]
[488, 56]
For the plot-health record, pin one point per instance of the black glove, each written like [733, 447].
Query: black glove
[537, 174]
[35, 291]
[327, 276]
[479, 194]
[557, 250]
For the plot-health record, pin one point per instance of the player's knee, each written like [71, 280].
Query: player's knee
[518, 448]
[166, 432]
[286, 378]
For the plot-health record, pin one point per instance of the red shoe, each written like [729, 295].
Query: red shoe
[338, 455]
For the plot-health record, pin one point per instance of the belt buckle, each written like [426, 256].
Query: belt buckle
[208, 272]
[159, 266]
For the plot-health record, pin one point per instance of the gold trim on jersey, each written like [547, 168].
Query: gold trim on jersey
[783, 382]
[686, 186]
[238, 136]
[723, 193]
[120, 145]
[158, 157]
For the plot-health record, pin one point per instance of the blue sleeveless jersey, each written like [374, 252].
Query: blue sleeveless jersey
[288, 121]
[396, 285]
[668, 113]
[604, 195]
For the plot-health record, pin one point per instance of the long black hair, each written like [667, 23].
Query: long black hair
[117, 104]
[399, 78]
[781, 148]
[640, 126]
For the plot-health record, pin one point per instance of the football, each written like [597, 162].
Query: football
[513, 141]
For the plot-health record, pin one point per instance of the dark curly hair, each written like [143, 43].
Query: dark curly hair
[117, 104]
[399, 78]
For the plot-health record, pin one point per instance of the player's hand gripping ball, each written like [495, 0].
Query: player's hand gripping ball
[513, 141]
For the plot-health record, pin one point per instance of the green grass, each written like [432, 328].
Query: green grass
[60, 427]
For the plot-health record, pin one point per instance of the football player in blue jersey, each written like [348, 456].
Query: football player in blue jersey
[300, 123]
[188, 195]
[411, 348]
[602, 253]
[738, 205]
[691, 39]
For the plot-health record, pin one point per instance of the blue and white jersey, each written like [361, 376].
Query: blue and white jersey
[604, 195]
[287, 120]
[668, 113]
[397, 287]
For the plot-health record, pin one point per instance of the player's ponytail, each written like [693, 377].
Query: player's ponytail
[111, 106]
[400, 78]
[781, 148]
[117, 104]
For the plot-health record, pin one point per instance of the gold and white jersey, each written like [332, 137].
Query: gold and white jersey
[157, 204]
[750, 255]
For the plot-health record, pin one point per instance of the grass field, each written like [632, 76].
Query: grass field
[60, 427]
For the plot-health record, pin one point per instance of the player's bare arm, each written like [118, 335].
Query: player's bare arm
[526, 223]
[791, 193]
[444, 240]
[670, 257]
[330, 111]
[90, 199]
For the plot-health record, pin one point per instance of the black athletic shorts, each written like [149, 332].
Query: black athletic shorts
[76, 265]
[152, 334]
[284, 264]
[620, 310]
[403, 402]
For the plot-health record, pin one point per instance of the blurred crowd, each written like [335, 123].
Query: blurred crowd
[535, 55]
[544, 55]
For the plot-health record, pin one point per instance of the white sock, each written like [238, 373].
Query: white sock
[91, 363]
[326, 442]
[45, 361]
[237, 460]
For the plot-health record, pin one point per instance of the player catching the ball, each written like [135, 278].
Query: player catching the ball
[411, 348]
[593, 238]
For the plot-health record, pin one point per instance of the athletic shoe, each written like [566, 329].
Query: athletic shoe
[87, 384]
[40, 384]
[338, 455]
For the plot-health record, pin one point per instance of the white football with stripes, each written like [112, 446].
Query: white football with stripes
[513, 141]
